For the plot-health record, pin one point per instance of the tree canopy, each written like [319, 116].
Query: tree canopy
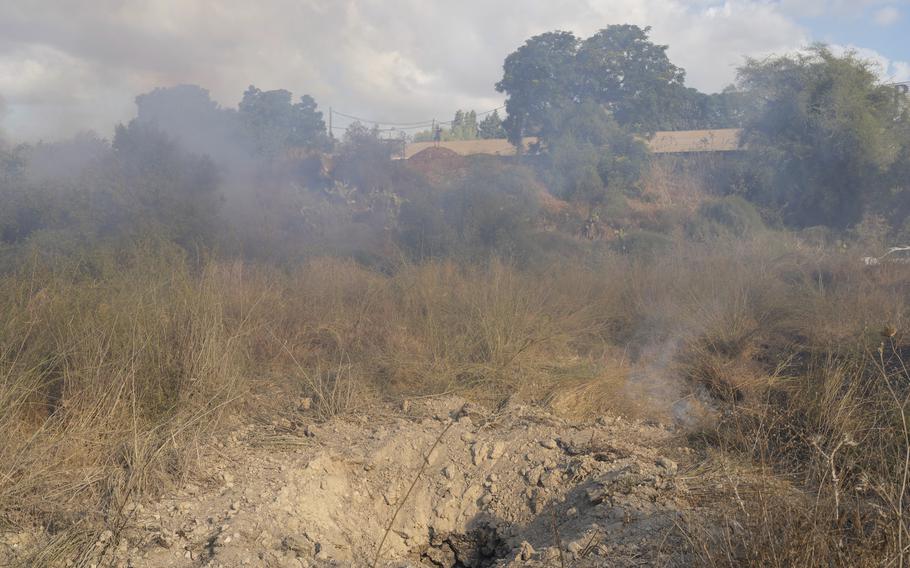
[828, 134]
[618, 68]
[273, 122]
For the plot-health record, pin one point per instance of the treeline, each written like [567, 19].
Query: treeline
[825, 141]
[826, 144]
[465, 126]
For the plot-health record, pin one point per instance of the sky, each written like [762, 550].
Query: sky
[65, 69]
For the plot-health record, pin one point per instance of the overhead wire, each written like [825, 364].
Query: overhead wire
[404, 126]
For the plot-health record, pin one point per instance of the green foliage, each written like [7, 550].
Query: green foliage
[490, 212]
[26, 208]
[274, 123]
[164, 188]
[618, 68]
[464, 126]
[188, 114]
[364, 160]
[491, 126]
[826, 132]
[538, 77]
[642, 243]
[729, 217]
[591, 156]
[143, 183]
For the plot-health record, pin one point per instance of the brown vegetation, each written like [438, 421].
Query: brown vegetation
[115, 369]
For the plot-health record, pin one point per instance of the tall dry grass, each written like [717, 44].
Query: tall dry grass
[115, 370]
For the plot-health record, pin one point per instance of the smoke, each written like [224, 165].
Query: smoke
[3, 111]
[395, 61]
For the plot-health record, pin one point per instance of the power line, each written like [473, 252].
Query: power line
[406, 125]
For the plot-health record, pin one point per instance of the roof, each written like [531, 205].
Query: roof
[683, 141]
[667, 142]
[492, 146]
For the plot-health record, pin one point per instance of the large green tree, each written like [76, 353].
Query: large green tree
[153, 184]
[491, 126]
[188, 114]
[618, 68]
[622, 69]
[538, 77]
[827, 133]
[273, 122]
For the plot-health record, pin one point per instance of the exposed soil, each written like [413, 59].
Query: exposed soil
[511, 488]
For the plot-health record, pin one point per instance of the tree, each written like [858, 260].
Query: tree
[618, 68]
[273, 123]
[188, 114]
[593, 156]
[464, 126]
[826, 131]
[491, 126]
[364, 160]
[537, 77]
[155, 185]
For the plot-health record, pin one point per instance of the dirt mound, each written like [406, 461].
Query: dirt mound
[510, 488]
[438, 164]
[434, 154]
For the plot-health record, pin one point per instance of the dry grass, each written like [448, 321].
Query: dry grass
[114, 372]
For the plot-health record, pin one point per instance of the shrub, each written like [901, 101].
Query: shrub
[728, 217]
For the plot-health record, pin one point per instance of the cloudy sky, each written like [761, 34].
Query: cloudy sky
[67, 66]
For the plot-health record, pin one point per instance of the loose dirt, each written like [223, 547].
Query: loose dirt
[515, 487]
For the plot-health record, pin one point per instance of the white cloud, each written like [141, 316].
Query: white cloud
[888, 70]
[886, 16]
[395, 60]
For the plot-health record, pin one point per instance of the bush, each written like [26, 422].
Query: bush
[728, 217]
[642, 243]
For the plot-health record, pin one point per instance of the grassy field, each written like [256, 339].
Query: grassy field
[116, 369]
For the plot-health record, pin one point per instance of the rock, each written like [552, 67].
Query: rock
[596, 494]
[405, 406]
[496, 450]
[612, 513]
[549, 444]
[571, 512]
[478, 452]
[667, 464]
[449, 472]
[551, 479]
[296, 544]
[551, 553]
[441, 555]
[525, 551]
[537, 502]
[533, 475]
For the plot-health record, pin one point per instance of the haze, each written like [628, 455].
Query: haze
[64, 70]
